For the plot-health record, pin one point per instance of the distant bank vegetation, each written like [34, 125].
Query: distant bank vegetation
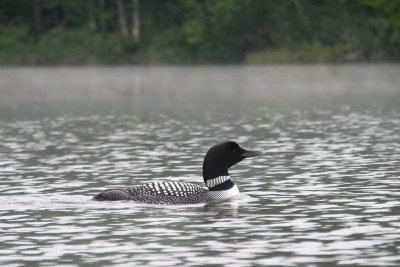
[198, 31]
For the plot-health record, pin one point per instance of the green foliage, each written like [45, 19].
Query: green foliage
[77, 46]
[390, 9]
[387, 24]
[65, 46]
[305, 54]
[165, 48]
[201, 31]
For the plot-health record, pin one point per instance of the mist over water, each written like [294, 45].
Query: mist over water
[325, 192]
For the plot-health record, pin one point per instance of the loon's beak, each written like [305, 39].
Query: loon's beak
[251, 153]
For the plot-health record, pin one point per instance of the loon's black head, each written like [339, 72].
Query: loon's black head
[221, 157]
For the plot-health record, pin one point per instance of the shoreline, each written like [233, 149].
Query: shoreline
[200, 65]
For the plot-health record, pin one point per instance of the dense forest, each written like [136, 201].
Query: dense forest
[198, 31]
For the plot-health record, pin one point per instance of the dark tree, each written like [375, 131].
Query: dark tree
[91, 15]
[136, 21]
[123, 26]
[37, 16]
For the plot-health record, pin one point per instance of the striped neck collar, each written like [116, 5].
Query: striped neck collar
[216, 181]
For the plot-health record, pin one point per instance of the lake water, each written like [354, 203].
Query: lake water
[325, 192]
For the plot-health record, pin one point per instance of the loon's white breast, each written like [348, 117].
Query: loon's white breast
[224, 194]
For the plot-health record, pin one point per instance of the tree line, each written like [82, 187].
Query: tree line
[198, 31]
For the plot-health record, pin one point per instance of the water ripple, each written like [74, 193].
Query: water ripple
[325, 192]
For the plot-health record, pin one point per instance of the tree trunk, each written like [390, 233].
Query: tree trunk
[62, 15]
[122, 17]
[92, 19]
[37, 16]
[101, 16]
[136, 21]
[303, 18]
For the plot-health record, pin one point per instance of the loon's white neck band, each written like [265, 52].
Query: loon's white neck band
[216, 181]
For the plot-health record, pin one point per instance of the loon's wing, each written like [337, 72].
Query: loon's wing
[167, 188]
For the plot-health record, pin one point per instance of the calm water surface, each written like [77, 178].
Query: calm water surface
[326, 191]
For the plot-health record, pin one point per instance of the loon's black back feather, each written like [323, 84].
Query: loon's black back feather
[163, 192]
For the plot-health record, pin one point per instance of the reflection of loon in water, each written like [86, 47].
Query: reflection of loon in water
[215, 174]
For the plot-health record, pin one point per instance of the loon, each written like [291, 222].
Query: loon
[217, 161]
